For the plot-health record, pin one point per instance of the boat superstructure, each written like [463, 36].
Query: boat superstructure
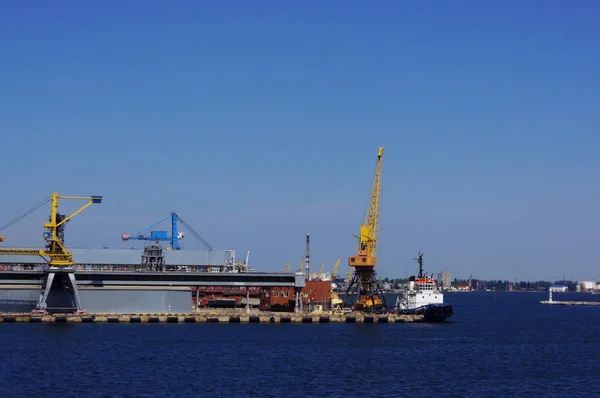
[421, 295]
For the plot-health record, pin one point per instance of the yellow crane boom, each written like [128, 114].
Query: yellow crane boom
[22, 252]
[369, 229]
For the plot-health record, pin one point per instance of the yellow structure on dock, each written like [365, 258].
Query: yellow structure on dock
[57, 254]
[363, 284]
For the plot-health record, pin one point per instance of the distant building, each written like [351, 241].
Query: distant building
[444, 279]
[587, 286]
[558, 288]
[473, 284]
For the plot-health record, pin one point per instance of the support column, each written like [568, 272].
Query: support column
[247, 300]
[75, 290]
[298, 297]
[44, 296]
[307, 256]
[61, 293]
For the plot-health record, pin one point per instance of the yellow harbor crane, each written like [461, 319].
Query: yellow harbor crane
[364, 285]
[336, 302]
[301, 268]
[335, 268]
[321, 269]
[287, 267]
[55, 253]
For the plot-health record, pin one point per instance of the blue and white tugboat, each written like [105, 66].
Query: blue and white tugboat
[421, 296]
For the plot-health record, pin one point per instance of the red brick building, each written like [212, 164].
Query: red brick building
[282, 298]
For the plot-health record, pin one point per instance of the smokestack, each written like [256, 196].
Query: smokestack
[307, 256]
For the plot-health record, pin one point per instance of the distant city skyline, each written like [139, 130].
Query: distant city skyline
[259, 123]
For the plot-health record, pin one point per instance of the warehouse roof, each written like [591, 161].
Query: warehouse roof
[128, 257]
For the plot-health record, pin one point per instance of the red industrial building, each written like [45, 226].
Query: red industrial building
[282, 298]
[224, 296]
[266, 298]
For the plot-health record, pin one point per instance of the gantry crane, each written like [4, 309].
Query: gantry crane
[163, 236]
[60, 273]
[55, 253]
[364, 285]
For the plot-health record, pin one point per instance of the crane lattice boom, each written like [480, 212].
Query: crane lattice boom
[369, 230]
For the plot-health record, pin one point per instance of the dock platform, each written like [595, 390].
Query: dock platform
[207, 318]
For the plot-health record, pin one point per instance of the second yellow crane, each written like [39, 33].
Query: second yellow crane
[335, 269]
[364, 285]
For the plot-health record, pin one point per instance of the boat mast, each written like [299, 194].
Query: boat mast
[420, 261]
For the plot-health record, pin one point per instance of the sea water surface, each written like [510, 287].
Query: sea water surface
[503, 344]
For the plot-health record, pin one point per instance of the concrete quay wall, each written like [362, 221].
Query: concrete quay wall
[221, 317]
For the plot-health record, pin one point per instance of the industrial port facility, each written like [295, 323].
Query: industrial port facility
[169, 280]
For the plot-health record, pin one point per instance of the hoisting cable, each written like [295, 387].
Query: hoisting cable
[196, 234]
[34, 208]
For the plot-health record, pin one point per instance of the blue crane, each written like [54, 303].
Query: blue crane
[163, 236]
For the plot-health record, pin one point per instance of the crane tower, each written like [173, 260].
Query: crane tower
[364, 285]
[59, 288]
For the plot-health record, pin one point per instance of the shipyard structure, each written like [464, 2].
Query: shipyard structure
[132, 281]
[162, 278]
[155, 279]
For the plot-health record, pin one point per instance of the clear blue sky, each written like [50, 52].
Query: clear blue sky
[260, 121]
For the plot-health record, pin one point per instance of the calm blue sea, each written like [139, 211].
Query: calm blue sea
[495, 345]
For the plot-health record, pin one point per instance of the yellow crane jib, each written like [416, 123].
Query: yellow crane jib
[367, 241]
[22, 252]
